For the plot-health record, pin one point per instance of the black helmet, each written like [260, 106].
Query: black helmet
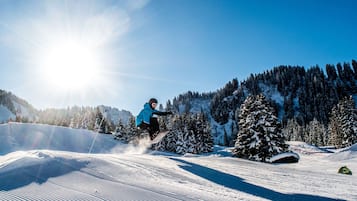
[152, 100]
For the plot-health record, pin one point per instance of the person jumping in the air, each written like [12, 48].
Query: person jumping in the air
[145, 119]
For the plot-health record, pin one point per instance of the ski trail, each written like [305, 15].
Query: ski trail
[7, 196]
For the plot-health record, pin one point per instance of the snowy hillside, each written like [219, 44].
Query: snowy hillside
[12, 106]
[71, 164]
[115, 115]
[349, 153]
[5, 114]
[194, 106]
[17, 136]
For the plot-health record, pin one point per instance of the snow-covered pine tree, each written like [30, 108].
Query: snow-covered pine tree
[180, 134]
[188, 134]
[333, 128]
[131, 131]
[185, 138]
[316, 133]
[349, 122]
[119, 131]
[126, 133]
[260, 136]
[99, 121]
[343, 123]
[88, 120]
[202, 133]
[293, 131]
[168, 142]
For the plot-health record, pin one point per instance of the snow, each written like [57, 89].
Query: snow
[273, 93]
[197, 105]
[115, 115]
[346, 154]
[5, 114]
[284, 155]
[304, 148]
[219, 130]
[17, 136]
[72, 164]
[23, 111]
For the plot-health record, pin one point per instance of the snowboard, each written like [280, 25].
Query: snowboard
[159, 137]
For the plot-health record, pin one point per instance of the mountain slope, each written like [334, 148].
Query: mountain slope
[12, 107]
[299, 95]
[63, 169]
[5, 114]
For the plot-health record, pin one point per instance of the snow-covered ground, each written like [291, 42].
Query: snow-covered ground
[40, 162]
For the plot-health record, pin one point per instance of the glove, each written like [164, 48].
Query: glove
[169, 112]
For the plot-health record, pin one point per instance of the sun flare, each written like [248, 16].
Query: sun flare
[70, 65]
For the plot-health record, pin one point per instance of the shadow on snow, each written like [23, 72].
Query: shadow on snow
[237, 183]
[38, 173]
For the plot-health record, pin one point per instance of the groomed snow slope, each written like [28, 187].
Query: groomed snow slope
[40, 162]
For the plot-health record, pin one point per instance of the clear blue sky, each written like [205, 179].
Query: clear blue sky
[162, 48]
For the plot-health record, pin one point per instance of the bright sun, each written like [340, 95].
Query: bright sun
[70, 65]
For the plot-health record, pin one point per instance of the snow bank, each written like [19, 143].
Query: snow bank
[289, 157]
[349, 153]
[304, 148]
[17, 136]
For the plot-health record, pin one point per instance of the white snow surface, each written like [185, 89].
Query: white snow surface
[41, 162]
[349, 153]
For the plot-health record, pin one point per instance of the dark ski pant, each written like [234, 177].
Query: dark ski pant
[152, 128]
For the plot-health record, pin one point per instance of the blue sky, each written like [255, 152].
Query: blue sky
[161, 48]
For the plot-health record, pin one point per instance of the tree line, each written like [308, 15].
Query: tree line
[307, 98]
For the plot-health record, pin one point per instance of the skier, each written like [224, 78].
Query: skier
[146, 121]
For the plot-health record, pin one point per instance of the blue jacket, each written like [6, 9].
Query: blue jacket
[146, 113]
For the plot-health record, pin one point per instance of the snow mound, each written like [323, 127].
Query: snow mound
[353, 148]
[288, 157]
[21, 168]
[17, 136]
[304, 148]
[348, 153]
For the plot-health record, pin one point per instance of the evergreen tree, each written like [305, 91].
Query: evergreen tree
[260, 136]
[333, 128]
[202, 129]
[119, 131]
[188, 134]
[127, 133]
[99, 121]
[131, 131]
[225, 101]
[316, 133]
[293, 130]
[354, 66]
[343, 123]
